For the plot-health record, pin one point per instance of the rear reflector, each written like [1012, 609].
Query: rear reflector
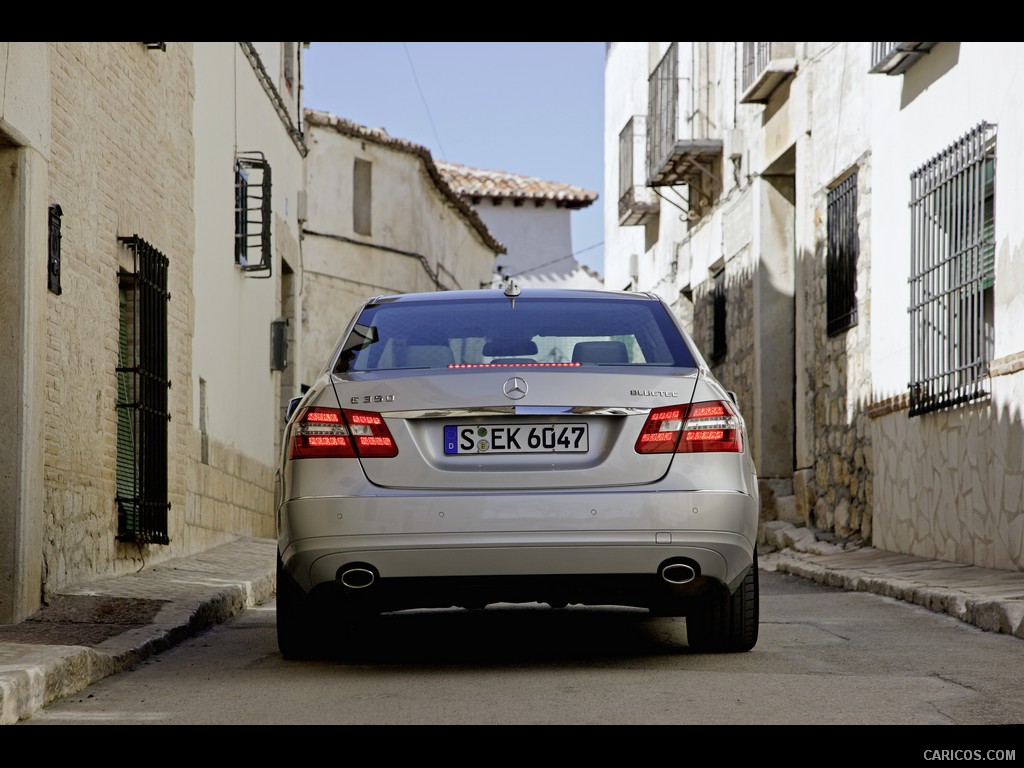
[697, 428]
[330, 433]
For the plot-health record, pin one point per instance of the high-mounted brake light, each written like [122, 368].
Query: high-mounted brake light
[321, 433]
[515, 365]
[707, 427]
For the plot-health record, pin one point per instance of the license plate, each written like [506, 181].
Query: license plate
[518, 438]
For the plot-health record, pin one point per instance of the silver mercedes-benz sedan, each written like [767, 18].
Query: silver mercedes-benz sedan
[466, 448]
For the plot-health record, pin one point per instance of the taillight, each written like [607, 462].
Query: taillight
[321, 433]
[711, 427]
[707, 427]
[370, 434]
[661, 432]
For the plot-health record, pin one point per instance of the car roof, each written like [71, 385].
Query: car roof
[498, 293]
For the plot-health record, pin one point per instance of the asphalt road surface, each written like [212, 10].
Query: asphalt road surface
[824, 656]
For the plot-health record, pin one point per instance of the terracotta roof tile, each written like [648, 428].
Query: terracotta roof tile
[475, 182]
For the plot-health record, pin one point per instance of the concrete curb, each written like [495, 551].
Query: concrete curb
[990, 599]
[200, 592]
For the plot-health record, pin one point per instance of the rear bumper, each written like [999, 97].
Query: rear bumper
[505, 536]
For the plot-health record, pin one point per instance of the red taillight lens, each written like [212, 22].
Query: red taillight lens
[371, 435]
[321, 433]
[711, 427]
[697, 428]
[661, 432]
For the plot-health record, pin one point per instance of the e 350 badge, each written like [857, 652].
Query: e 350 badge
[373, 399]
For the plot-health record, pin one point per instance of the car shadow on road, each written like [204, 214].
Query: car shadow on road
[505, 633]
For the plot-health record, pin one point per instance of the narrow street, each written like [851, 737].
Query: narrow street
[824, 657]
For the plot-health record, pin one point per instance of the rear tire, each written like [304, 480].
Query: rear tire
[727, 623]
[296, 633]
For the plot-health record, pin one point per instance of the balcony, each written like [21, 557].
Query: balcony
[896, 58]
[685, 161]
[679, 149]
[766, 66]
[637, 203]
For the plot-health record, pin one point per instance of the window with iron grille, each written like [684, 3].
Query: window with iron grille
[252, 214]
[841, 260]
[718, 343]
[952, 273]
[142, 399]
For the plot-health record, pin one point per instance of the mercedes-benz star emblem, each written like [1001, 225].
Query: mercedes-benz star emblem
[515, 388]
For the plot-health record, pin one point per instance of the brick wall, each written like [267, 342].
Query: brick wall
[121, 164]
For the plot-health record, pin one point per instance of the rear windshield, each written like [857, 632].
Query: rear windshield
[535, 332]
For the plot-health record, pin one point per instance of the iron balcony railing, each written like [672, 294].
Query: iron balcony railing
[765, 67]
[755, 60]
[636, 199]
[662, 111]
[896, 58]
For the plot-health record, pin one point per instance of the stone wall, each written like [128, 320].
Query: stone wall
[234, 492]
[835, 493]
[950, 484]
[736, 369]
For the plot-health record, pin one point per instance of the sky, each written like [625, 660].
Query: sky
[535, 109]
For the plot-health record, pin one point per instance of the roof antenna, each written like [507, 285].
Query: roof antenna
[512, 290]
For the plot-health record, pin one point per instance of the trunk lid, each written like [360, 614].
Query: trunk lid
[514, 428]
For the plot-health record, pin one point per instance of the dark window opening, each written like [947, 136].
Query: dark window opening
[142, 398]
[252, 214]
[953, 273]
[53, 257]
[362, 193]
[841, 261]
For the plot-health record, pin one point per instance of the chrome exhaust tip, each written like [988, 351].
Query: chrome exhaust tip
[357, 578]
[678, 573]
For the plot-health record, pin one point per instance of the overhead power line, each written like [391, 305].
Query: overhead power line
[555, 261]
[426, 106]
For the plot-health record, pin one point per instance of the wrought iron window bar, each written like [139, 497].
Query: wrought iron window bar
[253, 214]
[142, 398]
[952, 273]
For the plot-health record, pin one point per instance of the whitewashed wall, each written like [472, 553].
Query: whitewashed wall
[948, 484]
[233, 311]
[627, 66]
[916, 116]
[417, 235]
[537, 238]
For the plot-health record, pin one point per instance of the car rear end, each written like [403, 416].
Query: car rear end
[467, 448]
